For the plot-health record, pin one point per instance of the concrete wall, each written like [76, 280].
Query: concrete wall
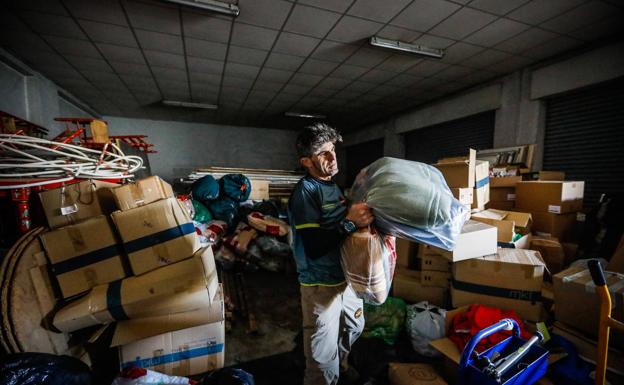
[518, 99]
[30, 96]
[183, 147]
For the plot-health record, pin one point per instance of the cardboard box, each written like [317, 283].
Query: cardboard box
[502, 194]
[550, 196]
[505, 181]
[406, 253]
[259, 189]
[141, 193]
[84, 255]
[180, 353]
[463, 195]
[99, 131]
[498, 205]
[481, 194]
[508, 223]
[181, 287]
[413, 374]
[616, 263]
[551, 252]
[407, 285]
[156, 234]
[560, 226]
[435, 278]
[509, 279]
[577, 305]
[475, 240]
[551, 175]
[459, 172]
[434, 262]
[76, 202]
[140, 328]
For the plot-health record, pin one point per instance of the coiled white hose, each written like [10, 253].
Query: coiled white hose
[27, 158]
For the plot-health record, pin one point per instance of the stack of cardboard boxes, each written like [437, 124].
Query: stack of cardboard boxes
[468, 179]
[141, 269]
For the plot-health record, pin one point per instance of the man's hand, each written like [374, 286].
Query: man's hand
[360, 214]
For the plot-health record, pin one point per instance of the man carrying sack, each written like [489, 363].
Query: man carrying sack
[320, 219]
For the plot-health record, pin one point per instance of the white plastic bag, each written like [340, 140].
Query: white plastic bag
[368, 259]
[425, 323]
[410, 200]
[140, 376]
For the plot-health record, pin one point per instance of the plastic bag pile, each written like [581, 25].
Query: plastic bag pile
[410, 200]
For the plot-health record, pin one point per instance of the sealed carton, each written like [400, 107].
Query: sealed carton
[475, 240]
[181, 287]
[552, 253]
[407, 284]
[481, 193]
[156, 234]
[560, 226]
[433, 262]
[183, 352]
[556, 197]
[505, 181]
[406, 253]
[577, 304]
[502, 194]
[435, 278]
[76, 202]
[501, 205]
[551, 175]
[139, 328]
[509, 279]
[144, 191]
[459, 172]
[84, 255]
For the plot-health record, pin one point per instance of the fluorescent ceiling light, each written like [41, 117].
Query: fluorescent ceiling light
[175, 103]
[210, 5]
[304, 115]
[406, 47]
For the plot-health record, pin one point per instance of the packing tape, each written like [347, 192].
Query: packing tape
[482, 182]
[174, 357]
[113, 301]
[86, 259]
[159, 237]
[137, 194]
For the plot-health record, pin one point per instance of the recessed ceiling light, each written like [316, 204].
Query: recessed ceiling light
[210, 5]
[175, 103]
[406, 47]
[304, 115]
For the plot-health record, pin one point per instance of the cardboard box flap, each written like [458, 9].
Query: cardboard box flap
[445, 345]
[459, 171]
[522, 220]
[498, 215]
[140, 328]
[517, 256]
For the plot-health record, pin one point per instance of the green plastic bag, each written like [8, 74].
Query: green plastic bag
[385, 321]
[202, 214]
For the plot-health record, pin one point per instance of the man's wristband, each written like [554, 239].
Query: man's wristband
[348, 226]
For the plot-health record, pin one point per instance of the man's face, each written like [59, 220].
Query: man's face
[323, 164]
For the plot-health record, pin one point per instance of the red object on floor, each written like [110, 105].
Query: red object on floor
[478, 317]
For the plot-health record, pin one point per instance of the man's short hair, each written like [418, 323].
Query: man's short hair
[313, 137]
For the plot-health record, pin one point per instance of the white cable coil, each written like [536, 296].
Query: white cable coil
[26, 157]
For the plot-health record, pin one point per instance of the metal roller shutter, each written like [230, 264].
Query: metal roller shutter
[361, 155]
[585, 138]
[452, 138]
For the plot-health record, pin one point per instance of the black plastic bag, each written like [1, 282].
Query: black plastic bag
[228, 376]
[43, 369]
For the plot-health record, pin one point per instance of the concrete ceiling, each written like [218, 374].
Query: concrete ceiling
[124, 57]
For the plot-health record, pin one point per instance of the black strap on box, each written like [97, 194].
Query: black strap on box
[515, 294]
[113, 301]
[86, 259]
[159, 237]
